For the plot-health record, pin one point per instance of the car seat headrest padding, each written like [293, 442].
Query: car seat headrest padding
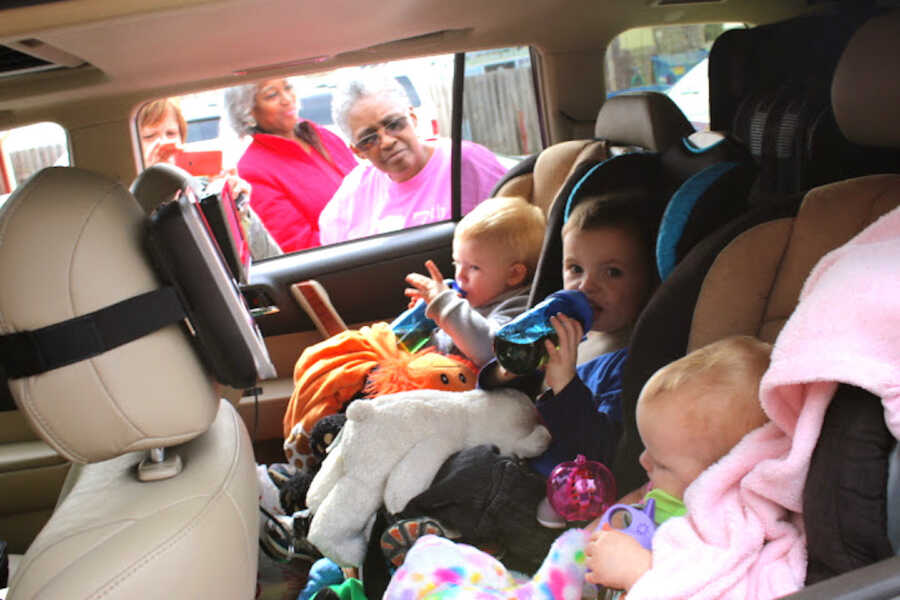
[26, 353]
[759, 275]
[678, 213]
[865, 91]
[161, 183]
[647, 119]
[146, 393]
[636, 170]
[517, 181]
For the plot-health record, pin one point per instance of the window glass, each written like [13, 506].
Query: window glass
[500, 107]
[671, 59]
[26, 150]
[387, 168]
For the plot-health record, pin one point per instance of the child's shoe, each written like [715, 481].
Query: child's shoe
[280, 473]
[284, 538]
[548, 517]
[398, 538]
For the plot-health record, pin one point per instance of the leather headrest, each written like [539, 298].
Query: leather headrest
[160, 184]
[865, 91]
[71, 243]
[646, 119]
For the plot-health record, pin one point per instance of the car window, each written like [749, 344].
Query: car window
[336, 190]
[671, 59]
[26, 150]
[500, 108]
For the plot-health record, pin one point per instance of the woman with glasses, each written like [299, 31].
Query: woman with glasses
[293, 165]
[406, 180]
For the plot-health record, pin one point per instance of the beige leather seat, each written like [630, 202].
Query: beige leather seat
[625, 123]
[185, 523]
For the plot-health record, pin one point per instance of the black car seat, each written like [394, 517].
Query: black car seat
[162, 500]
[790, 150]
[640, 121]
[769, 87]
[711, 166]
[748, 278]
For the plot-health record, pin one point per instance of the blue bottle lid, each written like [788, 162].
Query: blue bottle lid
[534, 324]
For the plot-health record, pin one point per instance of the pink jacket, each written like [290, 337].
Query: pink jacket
[291, 186]
[744, 536]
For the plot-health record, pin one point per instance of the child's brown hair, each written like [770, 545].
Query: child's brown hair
[627, 209]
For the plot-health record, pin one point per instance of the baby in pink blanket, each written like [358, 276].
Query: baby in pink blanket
[690, 414]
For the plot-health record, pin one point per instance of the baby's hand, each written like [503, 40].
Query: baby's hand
[615, 559]
[561, 361]
[424, 287]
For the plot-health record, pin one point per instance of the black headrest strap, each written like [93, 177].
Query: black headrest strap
[28, 353]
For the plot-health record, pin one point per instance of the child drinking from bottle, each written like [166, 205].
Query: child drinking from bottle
[489, 498]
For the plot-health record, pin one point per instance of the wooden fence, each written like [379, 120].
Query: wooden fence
[26, 163]
[499, 110]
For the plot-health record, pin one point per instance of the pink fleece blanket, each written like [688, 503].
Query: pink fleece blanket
[744, 535]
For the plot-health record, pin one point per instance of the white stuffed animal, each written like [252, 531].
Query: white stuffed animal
[391, 447]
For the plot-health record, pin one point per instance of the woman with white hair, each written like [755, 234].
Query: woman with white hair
[294, 166]
[406, 181]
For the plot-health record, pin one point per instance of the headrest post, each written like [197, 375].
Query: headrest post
[157, 465]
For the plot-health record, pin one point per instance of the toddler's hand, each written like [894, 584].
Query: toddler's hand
[561, 360]
[615, 559]
[424, 287]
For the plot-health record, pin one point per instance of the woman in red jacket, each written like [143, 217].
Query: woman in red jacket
[294, 166]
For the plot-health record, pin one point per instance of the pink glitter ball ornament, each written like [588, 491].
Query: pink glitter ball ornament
[580, 490]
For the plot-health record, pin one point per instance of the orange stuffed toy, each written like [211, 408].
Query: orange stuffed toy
[365, 361]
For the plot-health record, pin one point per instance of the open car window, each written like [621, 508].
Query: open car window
[340, 189]
[26, 150]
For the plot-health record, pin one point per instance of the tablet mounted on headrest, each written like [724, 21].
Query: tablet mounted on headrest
[199, 290]
[183, 249]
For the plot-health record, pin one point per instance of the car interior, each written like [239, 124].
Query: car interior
[146, 377]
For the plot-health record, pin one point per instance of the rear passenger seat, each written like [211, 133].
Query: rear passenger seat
[644, 121]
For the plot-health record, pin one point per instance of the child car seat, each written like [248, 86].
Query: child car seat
[643, 121]
[769, 86]
[711, 166]
[756, 270]
[662, 332]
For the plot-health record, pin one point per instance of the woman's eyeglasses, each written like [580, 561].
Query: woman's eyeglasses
[367, 142]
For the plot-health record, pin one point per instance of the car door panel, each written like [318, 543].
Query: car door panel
[31, 476]
[364, 280]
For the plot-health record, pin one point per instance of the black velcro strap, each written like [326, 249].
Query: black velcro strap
[31, 352]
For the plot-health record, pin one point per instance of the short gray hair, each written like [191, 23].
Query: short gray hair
[239, 101]
[373, 83]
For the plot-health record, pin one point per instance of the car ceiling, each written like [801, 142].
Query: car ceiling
[143, 48]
